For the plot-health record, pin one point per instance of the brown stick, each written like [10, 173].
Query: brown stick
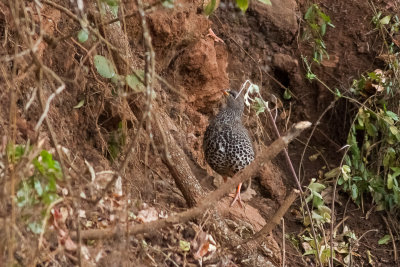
[392, 238]
[276, 218]
[266, 155]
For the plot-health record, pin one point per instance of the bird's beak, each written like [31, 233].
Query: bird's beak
[226, 92]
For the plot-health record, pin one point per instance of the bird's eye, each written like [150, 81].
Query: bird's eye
[232, 93]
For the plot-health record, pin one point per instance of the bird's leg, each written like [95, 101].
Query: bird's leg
[237, 197]
[215, 37]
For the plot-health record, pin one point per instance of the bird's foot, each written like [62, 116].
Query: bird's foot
[215, 37]
[236, 197]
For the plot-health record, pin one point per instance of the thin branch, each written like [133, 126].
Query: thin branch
[333, 216]
[392, 238]
[289, 162]
[276, 218]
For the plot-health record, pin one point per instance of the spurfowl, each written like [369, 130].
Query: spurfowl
[227, 145]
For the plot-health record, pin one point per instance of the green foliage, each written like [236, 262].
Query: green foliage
[320, 212]
[104, 67]
[380, 21]
[317, 22]
[287, 95]
[80, 104]
[111, 2]
[374, 154]
[40, 189]
[267, 2]
[324, 250]
[83, 35]
[384, 240]
[15, 153]
[212, 5]
[184, 245]
[372, 83]
[134, 83]
[113, 5]
[242, 4]
[374, 158]
[168, 3]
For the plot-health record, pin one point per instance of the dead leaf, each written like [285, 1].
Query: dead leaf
[147, 215]
[60, 216]
[203, 245]
[118, 187]
[69, 244]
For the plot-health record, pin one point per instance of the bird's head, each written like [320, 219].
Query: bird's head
[235, 100]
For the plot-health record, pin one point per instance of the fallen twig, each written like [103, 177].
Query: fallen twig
[276, 218]
[392, 238]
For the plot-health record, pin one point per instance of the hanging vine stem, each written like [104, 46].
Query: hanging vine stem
[149, 68]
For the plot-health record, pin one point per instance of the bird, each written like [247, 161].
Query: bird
[227, 144]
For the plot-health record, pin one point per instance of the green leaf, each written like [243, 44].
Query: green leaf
[267, 2]
[323, 29]
[325, 17]
[114, 10]
[24, 195]
[133, 82]
[333, 173]
[392, 115]
[396, 171]
[80, 104]
[111, 2]
[184, 245]
[389, 181]
[38, 187]
[371, 129]
[259, 105]
[384, 240]
[385, 20]
[49, 198]
[210, 7]
[83, 35]
[287, 95]
[317, 200]
[168, 3]
[338, 93]
[309, 12]
[104, 67]
[394, 130]
[354, 191]
[310, 252]
[316, 187]
[35, 227]
[316, 216]
[242, 4]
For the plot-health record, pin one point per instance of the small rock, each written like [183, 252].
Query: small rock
[271, 180]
